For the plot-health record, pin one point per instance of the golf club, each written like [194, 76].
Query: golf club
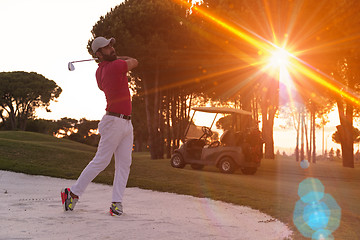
[71, 64]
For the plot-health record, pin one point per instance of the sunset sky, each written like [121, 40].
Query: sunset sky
[43, 36]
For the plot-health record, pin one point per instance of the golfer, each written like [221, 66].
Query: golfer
[115, 127]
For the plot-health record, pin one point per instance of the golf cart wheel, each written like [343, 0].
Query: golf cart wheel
[227, 165]
[177, 161]
[249, 170]
[197, 166]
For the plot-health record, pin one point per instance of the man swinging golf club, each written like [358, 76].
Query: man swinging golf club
[115, 127]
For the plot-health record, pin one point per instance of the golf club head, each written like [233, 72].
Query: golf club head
[71, 66]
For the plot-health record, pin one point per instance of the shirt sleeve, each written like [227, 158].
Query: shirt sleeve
[121, 65]
[98, 78]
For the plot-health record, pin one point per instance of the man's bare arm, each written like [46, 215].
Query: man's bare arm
[131, 62]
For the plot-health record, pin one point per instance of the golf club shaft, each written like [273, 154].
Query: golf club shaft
[92, 59]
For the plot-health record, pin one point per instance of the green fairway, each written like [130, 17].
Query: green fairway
[272, 190]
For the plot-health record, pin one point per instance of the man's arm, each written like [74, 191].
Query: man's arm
[131, 62]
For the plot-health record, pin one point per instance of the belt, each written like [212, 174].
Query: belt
[119, 115]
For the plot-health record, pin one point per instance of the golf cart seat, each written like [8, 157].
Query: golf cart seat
[228, 138]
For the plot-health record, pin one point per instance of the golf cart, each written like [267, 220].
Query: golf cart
[239, 147]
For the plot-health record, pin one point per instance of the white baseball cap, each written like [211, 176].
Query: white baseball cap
[100, 42]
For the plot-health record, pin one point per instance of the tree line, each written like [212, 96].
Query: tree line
[185, 57]
[21, 93]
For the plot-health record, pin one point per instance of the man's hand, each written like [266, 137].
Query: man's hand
[131, 62]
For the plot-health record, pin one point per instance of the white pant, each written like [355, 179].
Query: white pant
[116, 138]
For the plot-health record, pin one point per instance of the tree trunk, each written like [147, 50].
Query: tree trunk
[189, 109]
[149, 124]
[346, 146]
[180, 135]
[168, 131]
[269, 106]
[150, 119]
[138, 145]
[313, 138]
[246, 105]
[184, 122]
[307, 140]
[23, 117]
[12, 117]
[161, 127]
[302, 155]
[156, 137]
[173, 121]
[182, 112]
[255, 110]
[267, 130]
[297, 136]
[346, 134]
[1, 116]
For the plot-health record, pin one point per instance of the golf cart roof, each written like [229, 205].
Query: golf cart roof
[221, 110]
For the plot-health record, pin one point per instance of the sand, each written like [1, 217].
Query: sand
[30, 208]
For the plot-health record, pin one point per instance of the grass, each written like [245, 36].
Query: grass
[272, 190]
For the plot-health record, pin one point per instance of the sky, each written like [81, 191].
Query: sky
[43, 36]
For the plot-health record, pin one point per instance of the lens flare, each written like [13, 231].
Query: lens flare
[294, 65]
[279, 58]
[316, 214]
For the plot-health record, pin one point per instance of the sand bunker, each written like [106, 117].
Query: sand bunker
[30, 208]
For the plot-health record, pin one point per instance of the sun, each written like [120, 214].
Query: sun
[279, 58]
[278, 66]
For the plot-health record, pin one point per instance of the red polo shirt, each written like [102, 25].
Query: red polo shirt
[111, 79]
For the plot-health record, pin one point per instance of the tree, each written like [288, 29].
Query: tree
[338, 153]
[318, 106]
[22, 92]
[269, 107]
[336, 52]
[321, 33]
[252, 83]
[355, 133]
[158, 46]
[139, 123]
[85, 132]
[42, 126]
[331, 154]
[85, 127]
[65, 127]
[184, 56]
